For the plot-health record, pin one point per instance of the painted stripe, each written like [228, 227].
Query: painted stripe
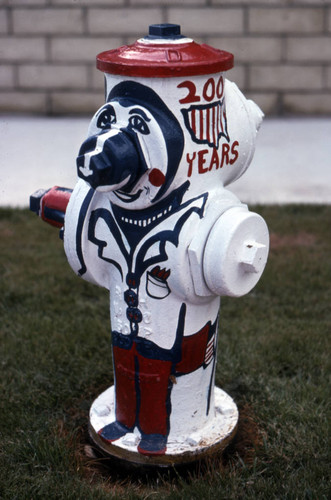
[223, 120]
[208, 124]
[218, 127]
[209, 350]
[193, 125]
[214, 125]
[201, 124]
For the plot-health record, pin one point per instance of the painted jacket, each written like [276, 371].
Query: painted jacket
[143, 258]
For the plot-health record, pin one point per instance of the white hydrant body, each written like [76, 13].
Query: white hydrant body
[151, 221]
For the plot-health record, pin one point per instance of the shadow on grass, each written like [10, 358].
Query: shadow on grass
[115, 477]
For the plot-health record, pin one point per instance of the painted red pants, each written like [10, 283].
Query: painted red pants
[142, 388]
[143, 385]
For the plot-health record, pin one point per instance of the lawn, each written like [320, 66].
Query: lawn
[273, 360]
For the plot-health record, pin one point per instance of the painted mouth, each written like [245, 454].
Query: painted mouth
[128, 198]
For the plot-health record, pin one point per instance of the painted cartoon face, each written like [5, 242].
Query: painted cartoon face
[134, 147]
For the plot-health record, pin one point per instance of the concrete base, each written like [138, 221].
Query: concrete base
[183, 449]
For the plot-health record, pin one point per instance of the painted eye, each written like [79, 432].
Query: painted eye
[106, 118]
[138, 124]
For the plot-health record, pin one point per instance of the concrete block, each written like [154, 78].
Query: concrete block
[328, 78]
[237, 75]
[169, 3]
[242, 3]
[308, 103]
[122, 21]
[283, 77]
[267, 101]
[250, 49]
[96, 79]
[7, 76]
[23, 102]
[89, 3]
[312, 49]
[52, 76]
[207, 21]
[76, 102]
[47, 21]
[309, 2]
[4, 23]
[24, 3]
[23, 49]
[286, 20]
[79, 49]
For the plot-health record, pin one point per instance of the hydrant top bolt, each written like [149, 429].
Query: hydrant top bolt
[171, 31]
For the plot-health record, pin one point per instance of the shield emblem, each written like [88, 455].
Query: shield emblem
[207, 123]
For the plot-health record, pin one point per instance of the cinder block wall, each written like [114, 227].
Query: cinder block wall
[282, 49]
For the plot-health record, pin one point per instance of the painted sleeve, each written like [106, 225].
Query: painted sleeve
[81, 254]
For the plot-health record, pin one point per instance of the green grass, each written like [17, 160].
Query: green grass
[273, 360]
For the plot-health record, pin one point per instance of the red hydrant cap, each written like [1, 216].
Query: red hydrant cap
[164, 53]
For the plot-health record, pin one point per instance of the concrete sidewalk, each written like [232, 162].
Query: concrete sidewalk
[292, 163]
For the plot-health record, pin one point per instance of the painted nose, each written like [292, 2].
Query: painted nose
[111, 160]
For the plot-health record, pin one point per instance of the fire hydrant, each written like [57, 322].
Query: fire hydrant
[151, 221]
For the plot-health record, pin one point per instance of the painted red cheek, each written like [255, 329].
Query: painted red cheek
[156, 177]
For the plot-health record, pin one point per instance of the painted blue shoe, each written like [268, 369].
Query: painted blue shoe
[114, 431]
[152, 444]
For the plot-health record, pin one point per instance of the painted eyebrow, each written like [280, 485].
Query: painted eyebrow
[106, 108]
[141, 113]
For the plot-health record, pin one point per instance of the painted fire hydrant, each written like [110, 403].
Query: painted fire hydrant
[151, 221]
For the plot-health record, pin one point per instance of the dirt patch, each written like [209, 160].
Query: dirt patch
[5, 231]
[97, 470]
[248, 440]
[302, 239]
